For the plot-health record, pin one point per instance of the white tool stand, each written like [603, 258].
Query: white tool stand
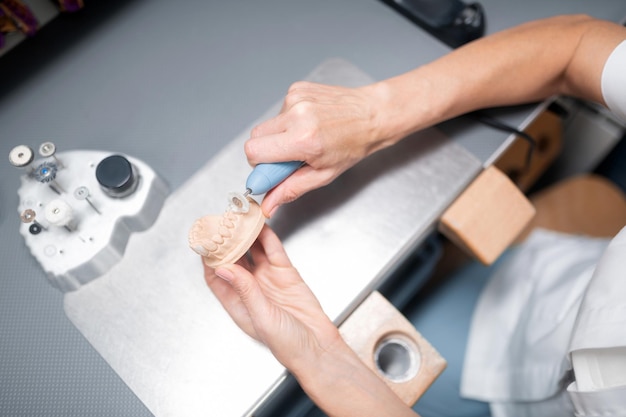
[183, 104]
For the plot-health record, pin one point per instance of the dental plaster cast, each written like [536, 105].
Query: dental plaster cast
[224, 239]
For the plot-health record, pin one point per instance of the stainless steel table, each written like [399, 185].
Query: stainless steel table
[172, 83]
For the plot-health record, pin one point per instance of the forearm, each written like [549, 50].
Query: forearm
[341, 385]
[561, 55]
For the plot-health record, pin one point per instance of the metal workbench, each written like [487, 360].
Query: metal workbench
[175, 83]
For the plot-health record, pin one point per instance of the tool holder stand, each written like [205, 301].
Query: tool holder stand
[81, 229]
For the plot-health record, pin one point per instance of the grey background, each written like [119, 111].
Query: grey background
[170, 83]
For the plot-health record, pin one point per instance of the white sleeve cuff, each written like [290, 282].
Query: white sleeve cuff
[613, 81]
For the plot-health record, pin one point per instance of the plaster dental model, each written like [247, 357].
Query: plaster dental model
[224, 239]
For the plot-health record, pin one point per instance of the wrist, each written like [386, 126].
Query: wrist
[305, 364]
[331, 381]
[342, 385]
[410, 102]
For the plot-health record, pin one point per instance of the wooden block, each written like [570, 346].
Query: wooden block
[391, 347]
[488, 216]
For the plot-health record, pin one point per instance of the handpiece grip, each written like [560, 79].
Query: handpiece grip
[264, 177]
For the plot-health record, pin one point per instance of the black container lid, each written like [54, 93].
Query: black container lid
[115, 175]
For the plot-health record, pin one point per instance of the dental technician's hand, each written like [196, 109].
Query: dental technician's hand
[330, 128]
[267, 298]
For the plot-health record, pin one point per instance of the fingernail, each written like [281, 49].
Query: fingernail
[224, 274]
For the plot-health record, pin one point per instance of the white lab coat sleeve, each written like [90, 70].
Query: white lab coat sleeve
[601, 321]
[600, 388]
[613, 81]
[606, 403]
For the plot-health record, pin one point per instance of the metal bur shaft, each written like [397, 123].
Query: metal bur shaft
[82, 193]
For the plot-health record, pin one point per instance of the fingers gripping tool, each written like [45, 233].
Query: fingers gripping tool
[262, 179]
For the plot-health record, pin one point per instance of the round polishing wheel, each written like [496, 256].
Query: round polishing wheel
[238, 203]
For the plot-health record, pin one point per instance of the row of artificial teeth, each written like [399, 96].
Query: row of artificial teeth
[227, 222]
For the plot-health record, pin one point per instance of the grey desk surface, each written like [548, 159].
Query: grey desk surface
[171, 83]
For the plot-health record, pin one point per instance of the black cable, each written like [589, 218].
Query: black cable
[496, 124]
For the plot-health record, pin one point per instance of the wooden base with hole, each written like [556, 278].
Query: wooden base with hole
[392, 348]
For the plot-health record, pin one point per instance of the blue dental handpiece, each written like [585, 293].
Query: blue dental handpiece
[264, 177]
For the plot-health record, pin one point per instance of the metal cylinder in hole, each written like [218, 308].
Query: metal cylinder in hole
[397, 359]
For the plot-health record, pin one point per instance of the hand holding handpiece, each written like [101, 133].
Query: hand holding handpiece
[264, 177]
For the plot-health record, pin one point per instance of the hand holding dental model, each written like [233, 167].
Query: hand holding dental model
[265, 295]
